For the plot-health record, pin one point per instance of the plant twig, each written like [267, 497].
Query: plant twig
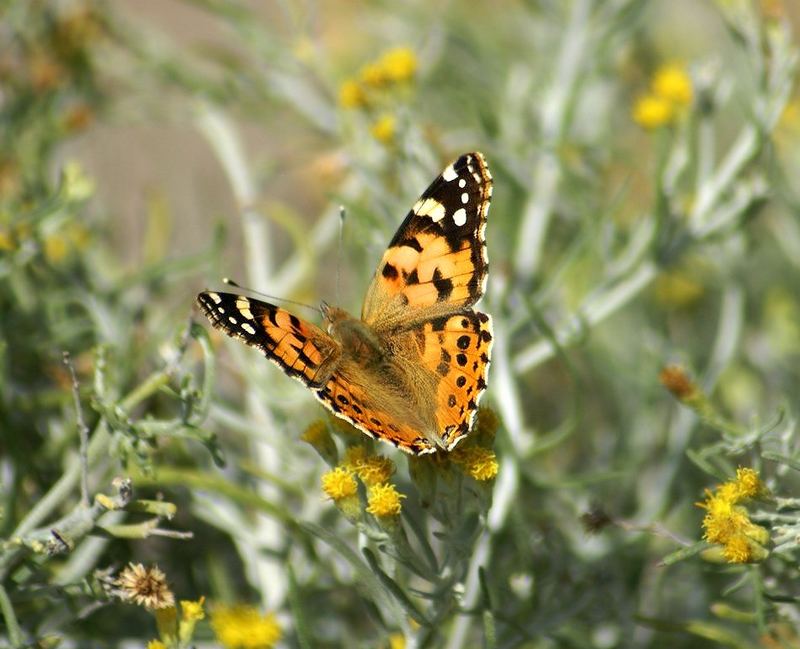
[83, 431]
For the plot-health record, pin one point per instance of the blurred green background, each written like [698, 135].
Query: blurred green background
[644, 215]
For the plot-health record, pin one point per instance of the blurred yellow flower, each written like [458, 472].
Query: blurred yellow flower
[478, 462]
[6, 240]
[352, 95]
[339, 483]
[384, 128]
[156, 644]
[373, 75]
[673, 84]
[678, 289]
[193, 610]
[397, 641]
[384, 501]
[651, 112]
[399, 64]
[244, 627]
[55, 248]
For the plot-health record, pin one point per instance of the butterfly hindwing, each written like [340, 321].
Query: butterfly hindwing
[438, 255]
[353, 403]
[299, 348]
[457, 349]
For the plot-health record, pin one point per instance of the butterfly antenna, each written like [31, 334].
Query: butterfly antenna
[230, 282]
[339, 253]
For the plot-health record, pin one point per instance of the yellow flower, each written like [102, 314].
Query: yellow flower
[748, 484]
[77, 186]
[373, 75]
[244, 627]
[156, 644]
[55, 248]
[678, 289]
[145, 586]
[651, 112]
[399, 64]
[478, 462]
[384, 501]
[372, 470]
[384, 128]
[191, 610]
[339, 483]
[318, 435]
[672, 84]
[397, 641]
[6, 240]
[737, 550]
[352, 95]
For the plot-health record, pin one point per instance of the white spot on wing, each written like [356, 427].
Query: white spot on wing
[460, 216]
[462, 183]
[449, 174]
[465, 198]
[249, 329]
[231, 319]
[217, 299]
[430, 207]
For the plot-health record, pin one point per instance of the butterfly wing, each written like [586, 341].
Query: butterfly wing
[456, 349]
[436, 263]
[299, 348]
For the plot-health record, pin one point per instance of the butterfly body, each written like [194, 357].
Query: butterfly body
[411, 369]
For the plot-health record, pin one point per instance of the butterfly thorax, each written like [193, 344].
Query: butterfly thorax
[359, 342]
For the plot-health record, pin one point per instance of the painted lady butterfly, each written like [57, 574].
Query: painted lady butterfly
[411, 370]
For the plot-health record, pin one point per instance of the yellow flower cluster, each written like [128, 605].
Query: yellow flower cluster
[244, 627]
[394, 69]
[727, 523]
[671, 91]
[374, 471]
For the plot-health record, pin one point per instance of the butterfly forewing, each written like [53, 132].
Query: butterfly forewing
[299, 348]
[437, 259]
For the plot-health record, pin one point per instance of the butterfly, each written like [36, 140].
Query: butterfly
[411, 370]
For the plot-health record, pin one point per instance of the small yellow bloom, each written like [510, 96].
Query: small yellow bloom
[384, 128]
[373, 75]
[244, 627]
[737, 550]
[651, 111]
[478, 462]
[6, 240]
[397, 641]
[372, 469]
[145, 586]
[339, 483]
[384, 501]
[55, 248]
[77, 186]
[352, 95]
[399, 64]
[672, 83]
[748, 484]
[156, 644]
[678, 289]
[191, 610]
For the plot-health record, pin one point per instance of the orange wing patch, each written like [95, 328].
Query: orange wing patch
[351, 402]
[299, 348]
[457, 349]
[439, 253]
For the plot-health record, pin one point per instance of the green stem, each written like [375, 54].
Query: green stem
[14, 632]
